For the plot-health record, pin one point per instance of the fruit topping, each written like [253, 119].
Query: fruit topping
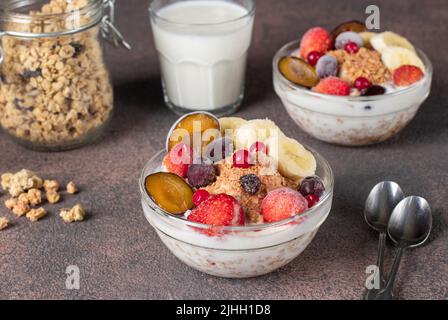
[219, 149]
[170, 192]
[282, 204]
[258, 147]
[200, 174]
[351, 48]
[315, 39]
[366, 38]
[251, 184]
[200, 196]
[312, 186]
[298, 71]
[395, 57]
[389, 39]
[347, 37]
[218, 210]
[327, 66]
[230, 125]
[312, 200]
[313, 57]
[256, 130]
[243, 159]
[373, 91]
[192, 127]
[362, 83]
[333, 86]
[353, 26]
[178, 160]
[407, 75]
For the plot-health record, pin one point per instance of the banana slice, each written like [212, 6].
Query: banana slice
[390, 39]
[367, 37]
[294, 161]
[231, 124]
[256, 130]
[394, 57]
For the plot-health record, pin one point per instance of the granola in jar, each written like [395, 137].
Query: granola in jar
[55, 90]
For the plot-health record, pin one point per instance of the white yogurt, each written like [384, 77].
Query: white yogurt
[202, 48]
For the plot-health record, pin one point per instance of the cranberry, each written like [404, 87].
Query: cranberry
[242, 159]
[200, 196]
[362, 83]
[314, 57]
[312, 200]
[351, 47]
[258, 147]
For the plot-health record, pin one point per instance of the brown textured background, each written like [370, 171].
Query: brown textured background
[120, 255]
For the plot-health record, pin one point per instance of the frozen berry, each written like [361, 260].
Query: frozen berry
[327, 66]
[315, 39]
[313, 57]
[312, 185]
[282, 204]
[242, 159]
[170, 192]
[251, 184]
[258, 147]
[312, 200]
[218, 210]
[178, 160]
[407, 75]
[354, 26]
[362, 83]
[201, 175]
[298, 71]
[351, 48]
[219, 149]
[333, 86]
[348, 37]
[200, 196]
[373, 91]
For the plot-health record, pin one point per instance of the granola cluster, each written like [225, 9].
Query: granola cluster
[54, 91]
[365, 63]
[26, 190]
[228, 182]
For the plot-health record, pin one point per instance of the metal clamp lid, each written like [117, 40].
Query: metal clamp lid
[108, 29]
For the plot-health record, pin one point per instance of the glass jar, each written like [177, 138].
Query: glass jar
[55, 90]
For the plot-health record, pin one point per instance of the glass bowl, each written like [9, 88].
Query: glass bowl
[237, 252]
[350, 121]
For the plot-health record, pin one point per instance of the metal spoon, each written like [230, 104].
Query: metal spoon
[382, 200]
[409, 227]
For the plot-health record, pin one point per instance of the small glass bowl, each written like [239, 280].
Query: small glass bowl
[237, 252]
[350, 121]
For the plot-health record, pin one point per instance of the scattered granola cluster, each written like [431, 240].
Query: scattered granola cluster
[26, 189]
[55, 91]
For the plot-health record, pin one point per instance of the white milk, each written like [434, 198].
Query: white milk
[202, 49]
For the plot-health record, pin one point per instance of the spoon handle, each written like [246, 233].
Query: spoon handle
[380, 261]
[386, 293]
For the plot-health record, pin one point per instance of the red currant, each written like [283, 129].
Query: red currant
[200, 196]
[351, 47]
[242, 159]
[258, 147]
[312, 200]
[314, 57]
[362, 83]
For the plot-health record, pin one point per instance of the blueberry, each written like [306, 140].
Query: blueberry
[312, 186]
[201, 175]
[251, 184]
[347, 37]
[327, 66]
[373, 91]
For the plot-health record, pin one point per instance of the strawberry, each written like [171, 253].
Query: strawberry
[219, 210]
[334, 86]
[316, 39]
[407, 75]
[178, 160]
[282, 204]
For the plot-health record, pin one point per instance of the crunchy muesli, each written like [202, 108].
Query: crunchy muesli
[53, 197]
[20, 182]
[74, 214]
[3, 223]
[35, 214]
[51, 185]
[72, 188]
[20, 209]
[55, 90]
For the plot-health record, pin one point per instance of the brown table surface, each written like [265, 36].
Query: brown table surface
[120, 255]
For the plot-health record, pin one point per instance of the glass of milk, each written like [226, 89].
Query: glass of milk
[202, 47]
